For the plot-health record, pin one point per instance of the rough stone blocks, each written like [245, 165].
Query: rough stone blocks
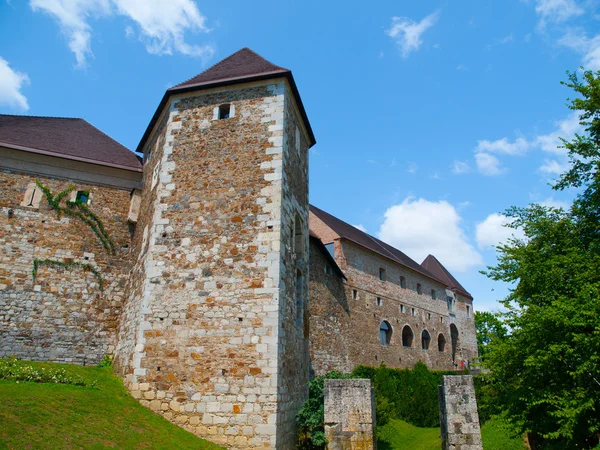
[459, 420]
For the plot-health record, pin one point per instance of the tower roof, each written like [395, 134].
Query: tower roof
[242, 66]
[64, 137]
[432, 264]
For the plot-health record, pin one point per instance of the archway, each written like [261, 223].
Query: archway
[441, 343]
[454, 339]
[385, 333]
[407, 336]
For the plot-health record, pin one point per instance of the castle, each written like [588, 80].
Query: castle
[201, 266]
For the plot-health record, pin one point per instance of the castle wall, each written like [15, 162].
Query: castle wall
[357, 321]
[61, 315]
[206, 332]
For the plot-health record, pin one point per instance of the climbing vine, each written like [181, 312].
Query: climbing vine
[37, 263]
[81, 211]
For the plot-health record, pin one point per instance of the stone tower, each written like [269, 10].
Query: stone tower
[214, 332]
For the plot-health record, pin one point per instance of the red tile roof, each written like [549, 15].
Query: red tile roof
[432, 264]
[68, 138]
[243, 66]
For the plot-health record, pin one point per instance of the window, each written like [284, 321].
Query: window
[298, 237]
[382, 274]
[33, 196]
[402, 309]
[441, 343]
[433, 294]
[425, 340]
[451, 304]
[385, 333]
[379, 301]
[327, 269]
[82, 197]
[354, 294]
[468, 311]
[429, 316]
[454, 340]
[330, 248]
[407, 336]
[402, 282]
[224, 111]
[419, 288]
[441, 319]
[414, 312]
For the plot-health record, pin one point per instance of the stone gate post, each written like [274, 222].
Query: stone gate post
[350, 415]
[459, 419]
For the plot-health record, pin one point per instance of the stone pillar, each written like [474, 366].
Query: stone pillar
[459, 420]
[349, 415]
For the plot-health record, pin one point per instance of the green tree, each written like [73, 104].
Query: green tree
[489, 327]
[546, 371]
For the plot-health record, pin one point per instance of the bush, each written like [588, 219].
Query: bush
[14, 370]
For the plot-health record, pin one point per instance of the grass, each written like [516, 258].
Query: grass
[399, 435]
[59, 416]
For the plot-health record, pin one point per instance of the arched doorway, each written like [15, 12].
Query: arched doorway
[385, 333]
[425, 340]
[454, 339]
[441, 343]
[407, 336]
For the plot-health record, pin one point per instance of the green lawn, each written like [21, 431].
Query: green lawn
[399, 435]
[57, 416]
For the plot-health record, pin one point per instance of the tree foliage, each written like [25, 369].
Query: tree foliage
[546, 372]
[489, 328]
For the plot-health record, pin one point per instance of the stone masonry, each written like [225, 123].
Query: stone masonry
[459, 419]
[349, 415]
[217, 302]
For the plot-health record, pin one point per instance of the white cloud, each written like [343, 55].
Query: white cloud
[460, 167]
[161, 24]
[503, 146]
[412, 167]
[419, 227]
[588, 47]
[488, 164]
[553, 167]
[553, 203]
[493, 231]
[360, 227]
[407, 33]
[11, 83]
[556, 11]
[565, 128]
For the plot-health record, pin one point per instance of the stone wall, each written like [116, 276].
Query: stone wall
[61, 315]
[210, 343]
[349, 415]
[345, 326]
[459, 419]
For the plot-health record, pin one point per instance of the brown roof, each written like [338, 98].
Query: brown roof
[68, 138]
[347, 231]
[244, 65]
[432, 264]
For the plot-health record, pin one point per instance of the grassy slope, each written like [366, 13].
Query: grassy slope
[399, 435]
[58, 416]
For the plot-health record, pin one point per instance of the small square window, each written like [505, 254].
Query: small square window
[224, 111]
[82, 197]
[354, 294]
[379, 301]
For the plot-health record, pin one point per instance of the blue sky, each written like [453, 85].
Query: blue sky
[431, 117]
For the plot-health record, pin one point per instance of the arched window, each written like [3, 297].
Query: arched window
[385, 333]
[425, 340]
[454, 339]
[407, 336]
[441, 343]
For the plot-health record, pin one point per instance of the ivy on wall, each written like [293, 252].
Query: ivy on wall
[81, 211]
[37, 263]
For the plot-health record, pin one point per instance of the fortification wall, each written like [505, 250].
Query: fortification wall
[63, 314]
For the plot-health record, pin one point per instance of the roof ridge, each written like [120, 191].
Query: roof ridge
[109, 137]
[43, 117]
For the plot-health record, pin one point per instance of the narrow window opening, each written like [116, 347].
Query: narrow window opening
[382, 274]
[32, 197]
[379, 301]
[414, 312]
[224, 111]
[354, 294]
[419, 289]
[298, 237]
[407, 336]
[402, 282]
[429, 316]
[468, 311]
[441, 343]
[402, 309]
[425, 340]
[433, 294]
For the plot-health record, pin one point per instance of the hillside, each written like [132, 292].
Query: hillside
[63, 416]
